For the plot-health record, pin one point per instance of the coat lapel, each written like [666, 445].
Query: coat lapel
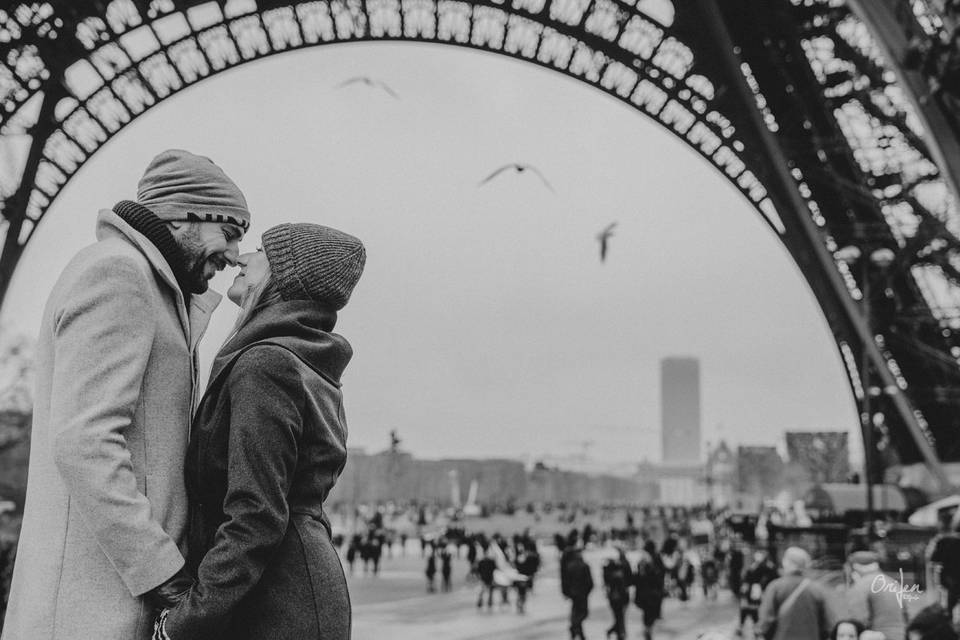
[193, 322]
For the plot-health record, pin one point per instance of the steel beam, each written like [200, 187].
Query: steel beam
[784, 185]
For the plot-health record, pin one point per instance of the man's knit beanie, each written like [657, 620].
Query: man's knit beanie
[179, 185]
[313, 262]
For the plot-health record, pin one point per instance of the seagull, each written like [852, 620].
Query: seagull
[603, 237]
[519, 168]
[370, 82]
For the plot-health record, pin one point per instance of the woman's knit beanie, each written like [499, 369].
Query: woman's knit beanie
[313, 262]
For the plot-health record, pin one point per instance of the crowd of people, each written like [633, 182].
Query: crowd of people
[692, 556]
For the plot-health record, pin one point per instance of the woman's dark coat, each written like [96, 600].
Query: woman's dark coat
[268, 444]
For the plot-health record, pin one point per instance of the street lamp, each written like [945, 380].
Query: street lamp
[881, 258]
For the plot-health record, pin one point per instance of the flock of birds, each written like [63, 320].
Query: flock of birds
[603, 237]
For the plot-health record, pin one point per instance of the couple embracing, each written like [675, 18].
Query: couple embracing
[153, 510]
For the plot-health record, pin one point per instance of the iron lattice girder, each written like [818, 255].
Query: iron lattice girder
[859, 201]
[99, 64]
[652, 71]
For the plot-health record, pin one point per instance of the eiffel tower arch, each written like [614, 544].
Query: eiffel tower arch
[803, 105]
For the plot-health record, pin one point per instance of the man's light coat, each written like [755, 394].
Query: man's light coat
[106, 509]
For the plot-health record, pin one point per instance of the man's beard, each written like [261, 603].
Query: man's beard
[195, 260]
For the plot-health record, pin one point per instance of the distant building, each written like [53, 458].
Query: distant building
[721, 475]
[819, 457]
[680, 409]
[759, 475]
[681, 484]
[396, 476]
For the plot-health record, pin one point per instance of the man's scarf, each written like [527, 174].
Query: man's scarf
[157, 232]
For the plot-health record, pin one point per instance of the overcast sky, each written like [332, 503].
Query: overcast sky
[485, 323]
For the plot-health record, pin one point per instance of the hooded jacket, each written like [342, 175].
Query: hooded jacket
[268, 444]
[106, 509]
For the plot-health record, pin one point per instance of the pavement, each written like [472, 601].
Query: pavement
[395, 605]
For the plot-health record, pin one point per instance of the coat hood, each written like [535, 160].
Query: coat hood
[298, 326]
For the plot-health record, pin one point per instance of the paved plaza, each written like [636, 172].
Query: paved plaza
[395, 605]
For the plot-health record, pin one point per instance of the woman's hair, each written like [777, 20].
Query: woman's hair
[932, 623]
[265, 293]
[856, 625]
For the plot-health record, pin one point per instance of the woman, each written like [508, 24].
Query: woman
[847, 630]
[649, 583]
[268, 444]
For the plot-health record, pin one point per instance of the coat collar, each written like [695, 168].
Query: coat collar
[298, 326]
[194, 322]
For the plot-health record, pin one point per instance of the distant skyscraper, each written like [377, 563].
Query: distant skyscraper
[680, 409]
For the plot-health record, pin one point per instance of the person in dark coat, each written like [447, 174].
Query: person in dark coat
[735, 568]
[576, 583]
[431, 572]
[617, 578]
[267, 445]
[795, 606]
[352, 549]
[649, 586]
[446, 569]
[709, 576]
[485, 569]
[529, 563]
[472, 557]
[761, 572]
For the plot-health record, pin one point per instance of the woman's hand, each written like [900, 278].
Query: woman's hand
[159, 630]
[171, 592]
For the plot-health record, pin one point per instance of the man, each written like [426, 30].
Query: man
[761, 572]
[576, 583]
[116, 376]
[735, 566]
[943, 560]
[485, 570]
[794, 607]
[529, 562]
[870, 599]
[650, 591]
[617, 578]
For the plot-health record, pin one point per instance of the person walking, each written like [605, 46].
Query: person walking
[353, 548]
[649, 587]
[576, 583]
[794, 607]
[617, 578]
[269, 441]
[709, 577]
[735, 567]
[870, 602]
[529, 563]
[472, 545]
[431, 572]
[116, 374]
[756, 577]
[486, 567]
[446, 559]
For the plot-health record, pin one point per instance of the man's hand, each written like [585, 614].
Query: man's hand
[168, 594]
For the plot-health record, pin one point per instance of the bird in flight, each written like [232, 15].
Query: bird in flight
[370, 82]
[604, 237]
[519, 168]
